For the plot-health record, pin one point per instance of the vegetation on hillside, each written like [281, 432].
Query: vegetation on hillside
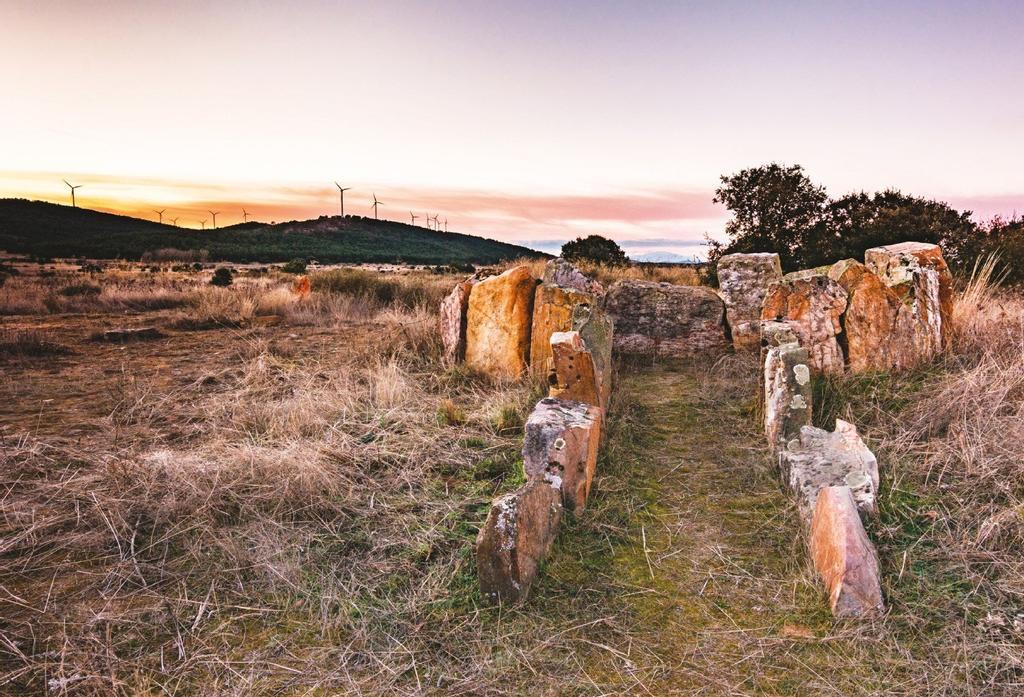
[595, 250]
[50, 230]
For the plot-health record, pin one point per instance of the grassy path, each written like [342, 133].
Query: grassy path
[697, 563]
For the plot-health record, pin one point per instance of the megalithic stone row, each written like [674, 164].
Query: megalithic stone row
[743, 282]
[454, 308]
[820, 459]
[560, 447]
[918, 273]
[812, 305]
[575, 376]
[661, 319]
[844, 556]
[498, 323]
[787, 393]
[553, 309]
[515, 539]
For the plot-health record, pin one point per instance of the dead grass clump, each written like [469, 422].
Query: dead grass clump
[384, 290]
[28, 343]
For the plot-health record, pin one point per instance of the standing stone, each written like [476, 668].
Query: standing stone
[821, 459]
[879, 330]
[812, 306]
[844, 556]
[515, 539]
[919, 275]
[575, 376]
[787, 393]
[560, 272]
[454, 307]
[301, 287]
[743, 281]
[498, 323]
[553, 308]
[561, 447]
[661, 319]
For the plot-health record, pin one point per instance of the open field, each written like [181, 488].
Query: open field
[278, 494]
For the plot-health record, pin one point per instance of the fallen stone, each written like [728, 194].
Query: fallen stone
[787, 393]
[879, 331]
[498, 323]
[813, 307]
[743, 282]
[124, 336]
[553, 308]
[918, 273]
[575, 376]
[661, 319]
[561, 272]
[819, 459]
[515, 539]
[454, 308]
[844, 556]
[301, 287]
[560, 447]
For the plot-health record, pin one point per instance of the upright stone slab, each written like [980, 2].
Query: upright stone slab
[919, 275]
[812, 306]
[498, 323]
[844, 556]
[661, 319]
[561, 447]
[597, 331]
[787, 393]
[879, 329]
[561, 272]
[575, 376]
[515, 539]
[743, 281]
[454, 307]
[819, 459]
[553, 309]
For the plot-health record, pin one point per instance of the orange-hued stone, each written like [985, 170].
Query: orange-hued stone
[453, 319]
[844, 556]
[301, 286]
[560, 447]
[498, 323]
[918, 273]
[812, 306]
[575, 376]
[553, 309]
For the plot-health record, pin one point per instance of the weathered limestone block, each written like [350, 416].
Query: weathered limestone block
[515, 539]
[560, 447]
[844, 556]
[454, 308]
[553, 308]
[743, 282]
[498, 323]
[919, 275]
[560, 272]
[879, 330]
[575, 376]
[813, 307]
[597, 331]
[820, 459]
[662, 319]
[787, 393]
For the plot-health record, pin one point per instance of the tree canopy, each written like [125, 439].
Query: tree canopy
[596, 249]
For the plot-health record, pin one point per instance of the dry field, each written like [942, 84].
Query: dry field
[278, 495]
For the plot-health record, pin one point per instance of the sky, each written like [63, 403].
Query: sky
[533, 122]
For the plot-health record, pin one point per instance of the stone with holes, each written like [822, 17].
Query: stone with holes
[498, 323]
[575, 376]
[560, 447]
[553, 309]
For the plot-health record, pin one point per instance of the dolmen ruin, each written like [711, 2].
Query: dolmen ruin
[890, 312]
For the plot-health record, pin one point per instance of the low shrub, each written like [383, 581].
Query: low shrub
[80, 289]
[295, 266]
[221, 277]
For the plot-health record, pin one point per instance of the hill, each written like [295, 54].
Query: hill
[51, 230]
[664, 258]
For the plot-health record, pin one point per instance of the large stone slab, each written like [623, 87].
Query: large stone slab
[561, 272]
[661, 319]
[498, 323]
[575, 376]
[844, 556]
[819, 459]
[918, 273]
[787, 393]
[553, 311]
[515, 539]
[743, 282]
[454, 308]
[560, 447]
[880, 331]
[813, 306]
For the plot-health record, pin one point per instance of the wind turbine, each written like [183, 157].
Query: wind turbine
[428, 222]
[203, 223]
[174, 221]
[446, 224]
[341, 193]
[375, 204]
[77, 186]
[214, 214]
[161, 214]
[437, 226]
[413, 216]
[245, 216]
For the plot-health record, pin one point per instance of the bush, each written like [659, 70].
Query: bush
[596, 249]
[382, 289]
[80, 289]
[295, 266]
[221, 277]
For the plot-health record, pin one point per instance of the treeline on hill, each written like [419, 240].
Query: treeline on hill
[49, 230]
[777, 208]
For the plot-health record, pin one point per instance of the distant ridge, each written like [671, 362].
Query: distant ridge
[51, 230]
[664, 258]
